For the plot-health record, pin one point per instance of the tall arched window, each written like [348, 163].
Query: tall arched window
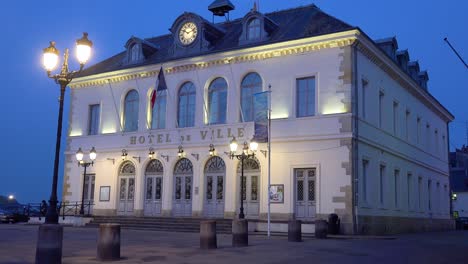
[131, 111]
[135, 53]
[217, 101]
[158, 115]
[251, 84]
[186, 111]
[253, 29]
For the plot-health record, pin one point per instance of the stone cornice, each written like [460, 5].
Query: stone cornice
[247, 56]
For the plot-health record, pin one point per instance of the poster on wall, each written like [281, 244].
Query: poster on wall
[277, 193]
[104, 194]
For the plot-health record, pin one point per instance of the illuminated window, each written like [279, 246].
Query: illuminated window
[93, 121]
[253, 29]
[131, 111]
[251, 84]
[217, 101]
[305, 97]
[186, 111]
[158, 115]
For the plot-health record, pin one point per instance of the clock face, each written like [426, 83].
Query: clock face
[188, 33]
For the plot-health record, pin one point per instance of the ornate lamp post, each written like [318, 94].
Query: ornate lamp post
[49, 241]
[247, 152]
[50, 61]
[84, 164]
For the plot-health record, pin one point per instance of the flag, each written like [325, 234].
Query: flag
[160, 86]
[261, 116]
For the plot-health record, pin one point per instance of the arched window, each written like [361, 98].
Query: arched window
[217, 101]
[158, 114]
[251, 84]
[131, 111]
[186, 111]
[253, 29]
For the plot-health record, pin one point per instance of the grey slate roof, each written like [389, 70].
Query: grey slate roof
[296, 23]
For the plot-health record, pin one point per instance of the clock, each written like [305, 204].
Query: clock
[188, 33]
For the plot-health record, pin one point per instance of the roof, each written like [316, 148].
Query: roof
[221, 3]
[296, 23]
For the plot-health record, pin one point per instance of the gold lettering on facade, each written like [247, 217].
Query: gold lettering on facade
[150, 139]
[203, 134]
[188, 138]
[160, 138]
[141, 140]
[229, 133]
[168, 140]
[133, 140]
[240, 132]
[220, 135]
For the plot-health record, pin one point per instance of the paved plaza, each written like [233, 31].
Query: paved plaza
[18, 243]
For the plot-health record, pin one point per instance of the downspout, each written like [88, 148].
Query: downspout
[355, 134]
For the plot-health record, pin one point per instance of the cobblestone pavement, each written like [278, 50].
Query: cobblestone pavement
[18, 244]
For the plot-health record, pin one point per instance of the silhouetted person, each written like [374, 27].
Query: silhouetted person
[43, 208]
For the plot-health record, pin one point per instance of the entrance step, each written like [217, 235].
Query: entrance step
[171, 224]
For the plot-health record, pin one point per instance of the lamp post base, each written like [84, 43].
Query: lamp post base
[49, 244]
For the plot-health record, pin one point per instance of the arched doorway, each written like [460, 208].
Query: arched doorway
[250, 187]
[215, 173]
[182, 198]
[126, 188]
[153, 188]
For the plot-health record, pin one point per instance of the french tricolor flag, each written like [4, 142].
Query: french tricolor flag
[160, 86]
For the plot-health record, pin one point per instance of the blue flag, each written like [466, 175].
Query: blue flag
[261, 116]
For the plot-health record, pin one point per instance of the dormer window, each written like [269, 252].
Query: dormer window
[256, 27]
[138, 50]
[253, 29]
[134, 53]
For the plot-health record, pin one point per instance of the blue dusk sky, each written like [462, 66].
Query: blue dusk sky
[29, 99]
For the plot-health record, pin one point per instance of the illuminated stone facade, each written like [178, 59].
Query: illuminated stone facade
[359, 93]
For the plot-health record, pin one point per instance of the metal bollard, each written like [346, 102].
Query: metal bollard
[108, 246]
[49, 244]
[321, 229]
[208, 235]
[240, 233]
[295, 231]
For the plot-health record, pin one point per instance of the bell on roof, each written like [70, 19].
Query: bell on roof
[221, 7]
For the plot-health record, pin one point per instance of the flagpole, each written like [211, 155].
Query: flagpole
[269, 159]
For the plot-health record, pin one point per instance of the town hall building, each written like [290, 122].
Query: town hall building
[354, 128]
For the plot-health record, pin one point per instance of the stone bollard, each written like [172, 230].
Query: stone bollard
[49, 244]
[208, 235]
[295, 231]
[240, 233]
[108, 246]
[321, 229]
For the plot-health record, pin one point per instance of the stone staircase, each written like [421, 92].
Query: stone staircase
[170, 224]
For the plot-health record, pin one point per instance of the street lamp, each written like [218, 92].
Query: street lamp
[79, 158]
[247, 153]
[50, 61]
[49, 240]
